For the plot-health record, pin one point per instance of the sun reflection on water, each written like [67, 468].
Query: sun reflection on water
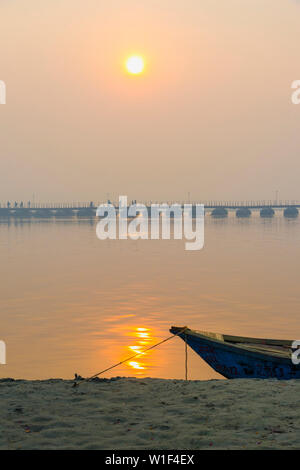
[143, 339]
[136, 365]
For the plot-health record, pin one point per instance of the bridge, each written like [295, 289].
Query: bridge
[217, 209]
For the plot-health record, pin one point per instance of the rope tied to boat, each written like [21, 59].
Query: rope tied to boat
[76, 384]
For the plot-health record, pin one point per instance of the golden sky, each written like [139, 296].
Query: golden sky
[211, 114]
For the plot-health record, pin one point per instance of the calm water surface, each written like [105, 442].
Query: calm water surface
[72, 303]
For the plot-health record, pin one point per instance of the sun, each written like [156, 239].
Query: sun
[135, 64]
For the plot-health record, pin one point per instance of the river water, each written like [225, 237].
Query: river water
[72, 303]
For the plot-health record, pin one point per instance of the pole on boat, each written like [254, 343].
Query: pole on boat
[186, 359]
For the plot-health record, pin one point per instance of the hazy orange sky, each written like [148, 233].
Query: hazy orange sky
[211, 115]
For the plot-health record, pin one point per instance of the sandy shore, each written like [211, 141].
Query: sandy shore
[126, 413]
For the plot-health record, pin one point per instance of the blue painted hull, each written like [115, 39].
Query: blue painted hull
[234, 362]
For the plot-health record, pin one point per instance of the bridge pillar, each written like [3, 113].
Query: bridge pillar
[291, 212]
[42, 213]
[86, 212]
[267, 212]
[22, 213]
[219, 213]
[243, 212]
[64, 213]
[5, 213]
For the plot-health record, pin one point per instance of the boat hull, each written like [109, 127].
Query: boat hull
[237, 363]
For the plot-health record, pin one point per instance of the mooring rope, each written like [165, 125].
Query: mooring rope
[76, 384]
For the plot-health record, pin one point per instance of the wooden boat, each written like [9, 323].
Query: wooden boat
[237, 357]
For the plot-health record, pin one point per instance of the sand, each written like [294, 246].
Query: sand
[128, 413]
